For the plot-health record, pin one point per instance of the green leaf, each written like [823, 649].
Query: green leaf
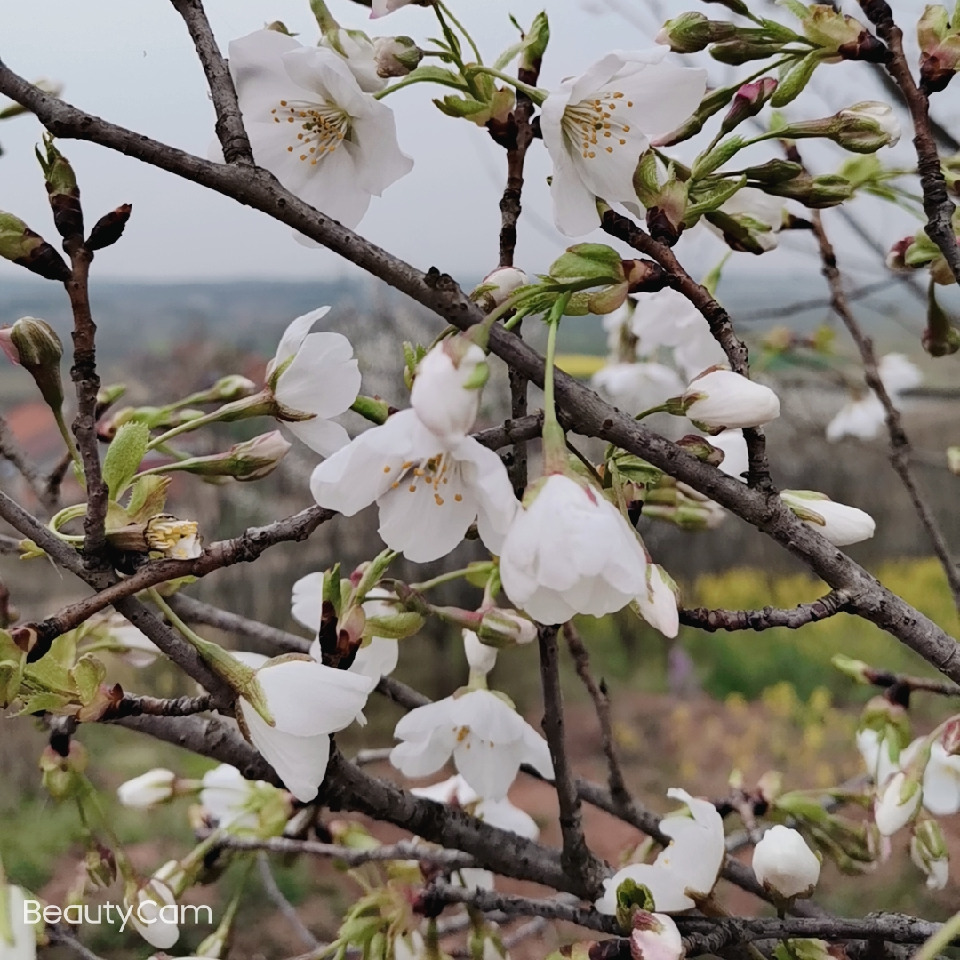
[88, 674]
[123, 458]
[587, 261]
[795, 79]
[148, 497]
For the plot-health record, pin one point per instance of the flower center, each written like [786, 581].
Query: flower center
[319, 128]
[593, 125]
[432, 473]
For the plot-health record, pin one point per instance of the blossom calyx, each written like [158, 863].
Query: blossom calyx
[928, 850]
[21, 245]
[864, 127]
[63, 775]
[34, 344]
[62, 190]
[396, 56]
[500, 627]
[785, 865]
[837, 33]
[693, 32]
[109, 228]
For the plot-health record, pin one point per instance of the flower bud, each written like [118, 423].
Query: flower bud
[720, 399]
[21, 245]
[831, 30]
[897, 803]
[855, 669]
[148, 789]
[658, 602]
[109, 228]
[35, 345]
[939, 48]
[654, 936]
[62, 190]
[739, 51]
[867, 126]
[446, 391]
[748, 101]
[497, 287]
[535, 42]
[480, 657]
[840, 524]
[246, 461]
[785, 865]
[500, 627]
[693, 32]
[396, 56]
[928, 850]
[817, 193]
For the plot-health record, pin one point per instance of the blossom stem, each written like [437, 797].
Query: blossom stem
[255, 406]
[68, 438]
[450, 16]
[554, 439]
[445, 578]
[940, 940]
[536, 94]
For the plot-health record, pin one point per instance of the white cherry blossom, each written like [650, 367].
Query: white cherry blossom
[876, 753]
[359, 54]
[840, 524]
[762, 213]
[657, 602]
[312, 126]
[687, 868]
[724, 399]
[151, 911]
[382, 7]
[226, 796]
[24, 945]
[445, 394]
[316, 374]
[570, 551]
[654, 936]
[148, 789]
[897, 804]
[941, 782]
[734, 447]
[863, 416]
[635, 387]
[784, 864]
[308, 701]
[486, 737]
[428, 491]
[596, 126]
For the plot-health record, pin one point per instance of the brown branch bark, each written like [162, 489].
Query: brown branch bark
[937, 205]
[601, 703]
[899, 441]
[769, 617]
[229, 126]
[585, 870]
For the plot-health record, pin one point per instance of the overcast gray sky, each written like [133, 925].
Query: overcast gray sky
[131, 62]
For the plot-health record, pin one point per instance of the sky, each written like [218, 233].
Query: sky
[133, 64]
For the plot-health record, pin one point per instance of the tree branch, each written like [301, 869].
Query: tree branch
[769, 617]
[229, 126]
[937, 205]
[899, 442]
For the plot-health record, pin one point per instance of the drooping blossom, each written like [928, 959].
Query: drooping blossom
[148, 789]
[570, 551]
[723, 399]
[312, 126]
[446, 391]
[881, 754]
[486, 737]
[687, 868]
[941, 780]
[315, 374]
[428, 491]
[928, 850]
[596, 126]
[308, 701]
[897, 804]
[657, 601]
[784, 864]
[151, 914]
[226, 796]
[840, 524]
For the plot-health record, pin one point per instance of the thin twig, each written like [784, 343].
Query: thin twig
[285, 907]
[229, 127]
[578, 861]
[899, 441]
[581, 659]
[13, 453]
[937, 205]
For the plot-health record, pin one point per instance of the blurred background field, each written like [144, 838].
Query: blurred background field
[688, 714]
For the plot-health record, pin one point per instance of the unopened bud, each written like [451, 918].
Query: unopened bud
[700, 448]
[831, 30]
[773, 172]
[693, 32]
[855, 669]
[109, 228]
[62, 190]
[748, 101]
[928, 850]
[23, 246]
[246, 461]
[503, 628]
[666, 212]
[939, 48]
[535, 44]
[34, 344]
[147, 790]
[396, 56]
[867, 126]
[739, 51]
[817, 193]
[644, 276]
[497, 287]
